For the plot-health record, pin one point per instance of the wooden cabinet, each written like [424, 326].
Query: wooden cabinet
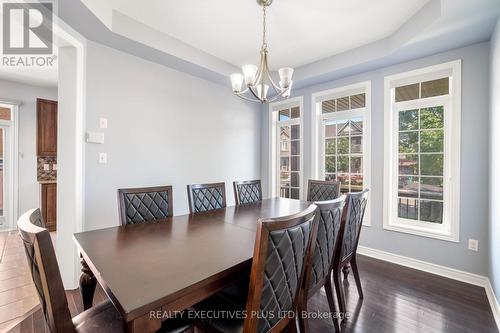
[46, 113]
[49, 205]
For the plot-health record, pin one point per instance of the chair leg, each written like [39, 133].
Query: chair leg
[339, 289]
[331, 303]
[292, 326]
[355, 272]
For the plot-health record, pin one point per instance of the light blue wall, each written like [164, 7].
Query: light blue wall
[474, 164]
[495, 162]
[164, 128]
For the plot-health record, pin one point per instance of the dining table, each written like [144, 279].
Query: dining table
[169, 265]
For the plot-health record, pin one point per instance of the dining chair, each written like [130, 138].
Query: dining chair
[330, 213]
[137, 205]
[345, 254]
[206, 197]
[281, 262]
[102, 318]
[322, 190]
[247, 191]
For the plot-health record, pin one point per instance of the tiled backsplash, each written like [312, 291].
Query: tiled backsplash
[44, 163]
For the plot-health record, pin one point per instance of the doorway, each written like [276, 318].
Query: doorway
[8, 162]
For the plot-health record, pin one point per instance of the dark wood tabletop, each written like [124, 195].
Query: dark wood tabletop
[177, 262]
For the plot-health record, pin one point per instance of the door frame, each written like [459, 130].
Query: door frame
[13, 170]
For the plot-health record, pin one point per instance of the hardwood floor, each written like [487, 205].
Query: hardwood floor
[397, 299]
[17, 292]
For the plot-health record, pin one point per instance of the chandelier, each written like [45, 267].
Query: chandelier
[258, 80]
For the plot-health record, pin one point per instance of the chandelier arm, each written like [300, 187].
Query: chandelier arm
[272, 99]
[242, 94]
[254, 93]
[268, 73]
[248, 98]
[260, 72]
[276, 89]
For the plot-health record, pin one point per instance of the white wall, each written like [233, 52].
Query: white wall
[164, 127]
[474, 161]
[494, 217]
[29, 189]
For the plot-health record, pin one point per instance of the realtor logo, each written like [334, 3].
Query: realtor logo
[27, 28]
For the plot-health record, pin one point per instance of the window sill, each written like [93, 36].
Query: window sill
[423, 232]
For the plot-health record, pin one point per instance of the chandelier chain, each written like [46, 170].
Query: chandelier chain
[264, 41]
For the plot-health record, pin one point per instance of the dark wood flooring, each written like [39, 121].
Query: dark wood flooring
[397, 299]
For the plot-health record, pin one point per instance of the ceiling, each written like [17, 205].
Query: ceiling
[43, 77]
[322, 39]
[299, 32]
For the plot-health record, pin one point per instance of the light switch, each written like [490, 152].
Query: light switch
[46, 167]
[103, 158]
[95, 137]
[103, 123]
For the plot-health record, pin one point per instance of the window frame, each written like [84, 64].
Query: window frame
[274, 148]
[449, 230]
[318, 132]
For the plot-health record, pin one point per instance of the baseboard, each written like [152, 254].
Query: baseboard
[444, 271]
[451, 273]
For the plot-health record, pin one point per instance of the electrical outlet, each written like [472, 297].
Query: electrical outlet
[46, 167]
[473, 244]
[103, 158]
[103, 123]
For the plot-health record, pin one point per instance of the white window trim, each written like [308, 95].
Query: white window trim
[318, 117]
[450, 229]
[273, 185]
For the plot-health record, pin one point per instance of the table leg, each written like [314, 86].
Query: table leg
[87, 284]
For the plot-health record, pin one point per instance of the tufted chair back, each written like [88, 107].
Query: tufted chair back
[36, 218]
[323, 190]
[45, 273]
[206, 197]
[247, 192]
[281, 256]
[137, 205]
[330, 214]
[352, 219]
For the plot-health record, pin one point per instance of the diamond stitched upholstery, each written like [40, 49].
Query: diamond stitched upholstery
[147, 206]
[319, 191]
[328, 228]
[208, 198]
[283, 268]
[39, 252]
[249, 192]
[37, 219]
[35, 272]
[353, 225]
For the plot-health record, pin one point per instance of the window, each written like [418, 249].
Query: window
[342, 139]
[286, 150]
[422, 152]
